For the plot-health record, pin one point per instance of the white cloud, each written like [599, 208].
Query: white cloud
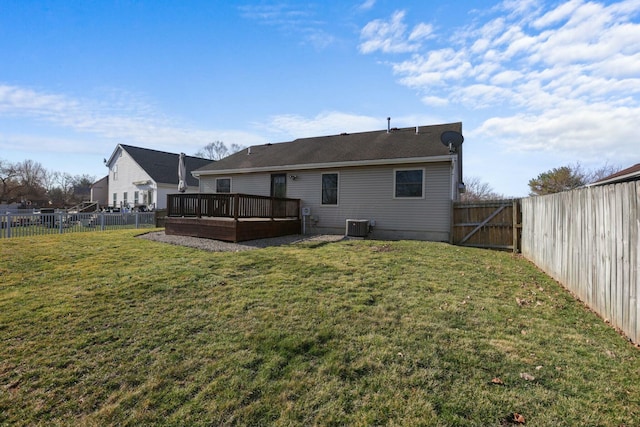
[506, 77]
[567, 76]
[391, 36]
[592, 130]
[421, 31]
[298, 19]
[290, 126]
[367, 5]
[556, 15]
[104, 123]
[435, 101]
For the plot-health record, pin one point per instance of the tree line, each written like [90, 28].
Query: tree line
[29, 184]
[555, 180]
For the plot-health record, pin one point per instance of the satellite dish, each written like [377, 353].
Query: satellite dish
[451, 139]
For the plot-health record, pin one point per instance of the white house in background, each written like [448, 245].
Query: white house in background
[142, 177]
[402, 181]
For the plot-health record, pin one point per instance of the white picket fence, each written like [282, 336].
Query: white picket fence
[588, 239]
[21, 224]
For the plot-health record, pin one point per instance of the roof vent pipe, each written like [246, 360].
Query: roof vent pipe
[249, 150]
[388, 124]
[417, 130]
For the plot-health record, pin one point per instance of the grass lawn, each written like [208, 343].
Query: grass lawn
[105, 328]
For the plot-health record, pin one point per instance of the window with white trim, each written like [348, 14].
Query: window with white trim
[408, 183]
[329, 188]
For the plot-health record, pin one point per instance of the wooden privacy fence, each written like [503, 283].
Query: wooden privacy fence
[588, 239]
[493, 224]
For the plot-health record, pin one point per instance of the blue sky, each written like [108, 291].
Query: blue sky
[536, 84]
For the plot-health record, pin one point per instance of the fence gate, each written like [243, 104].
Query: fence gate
[492, 224]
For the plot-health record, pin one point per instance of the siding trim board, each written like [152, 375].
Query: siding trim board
[288, 168]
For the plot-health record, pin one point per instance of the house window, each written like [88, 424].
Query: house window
[223, 185]
[125, 196]
[115, 200]
[329, 188]
[409, 183]
[136, 198]
[115, 172]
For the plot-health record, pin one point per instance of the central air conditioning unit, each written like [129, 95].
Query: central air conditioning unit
[357, 227]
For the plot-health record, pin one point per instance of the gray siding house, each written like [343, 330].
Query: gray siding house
[403, 181]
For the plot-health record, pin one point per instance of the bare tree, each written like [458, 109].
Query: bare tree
[66, 190]
[217, 150]
[234, 148]
[602, 172]
[478, 190]
[8, 176]
[31, 179]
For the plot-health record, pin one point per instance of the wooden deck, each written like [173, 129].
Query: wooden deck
[231, 217]
[230, 230]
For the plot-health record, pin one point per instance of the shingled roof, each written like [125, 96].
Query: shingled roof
[629, 174]
[162, 167]
[363, 147]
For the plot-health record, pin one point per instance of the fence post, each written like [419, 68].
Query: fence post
[8, 224]
[101, 221]
[137, 221]
[516, 226]
[60, 222]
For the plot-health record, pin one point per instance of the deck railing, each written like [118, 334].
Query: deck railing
[231, 206]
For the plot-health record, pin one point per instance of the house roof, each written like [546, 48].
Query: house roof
[162, 167]
[629, 174]
[375, 147]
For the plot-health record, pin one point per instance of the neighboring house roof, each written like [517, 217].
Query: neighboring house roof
[376, 147]
[161, 166]
[102, 181]
[629, 174]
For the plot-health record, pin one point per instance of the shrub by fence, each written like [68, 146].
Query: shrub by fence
[588, 239]
[33, 224]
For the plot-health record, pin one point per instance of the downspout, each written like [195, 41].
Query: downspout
[460, 187]
[454, 178]
[454, 174]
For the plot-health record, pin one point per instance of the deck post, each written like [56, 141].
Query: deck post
[199, 206]
[236, 205]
